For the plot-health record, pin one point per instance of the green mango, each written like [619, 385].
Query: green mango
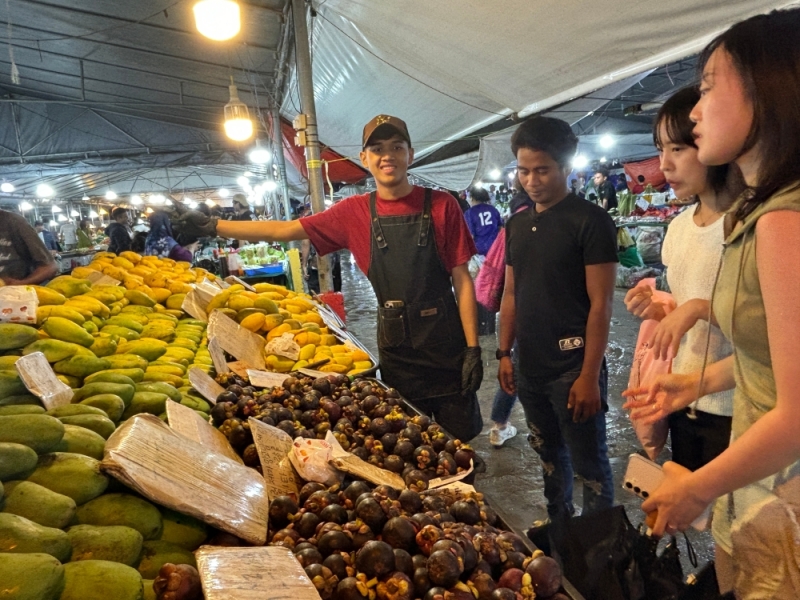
[80, 440]
[72, 475]
[125, 510]
[41, 433]
[22, 536]
[103, 426]
[38, 504]
[35, 576]
[155, 554]
[17, 461]
[101, 580]
[112, 542]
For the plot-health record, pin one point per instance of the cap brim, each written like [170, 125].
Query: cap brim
[385, 131]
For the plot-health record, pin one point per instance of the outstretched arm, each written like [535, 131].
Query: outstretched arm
[262, 231]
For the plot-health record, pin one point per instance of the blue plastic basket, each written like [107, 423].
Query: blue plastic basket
[265, 270]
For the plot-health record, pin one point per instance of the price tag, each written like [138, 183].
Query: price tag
[273, 446]
[313, 373]
[204, 384]
[39, 377]
[237, 341]
[642, 203]
[239, 367]
[266, 379]
[190, 425]
[349, 463]
[98, 278]
[195, 304]
[446, 481]
[218, 357]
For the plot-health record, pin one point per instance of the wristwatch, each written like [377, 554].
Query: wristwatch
[498, 354]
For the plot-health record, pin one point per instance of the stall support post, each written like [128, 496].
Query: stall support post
[280, 161]
[308, 106]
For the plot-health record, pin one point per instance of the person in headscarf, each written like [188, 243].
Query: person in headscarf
[161, 242]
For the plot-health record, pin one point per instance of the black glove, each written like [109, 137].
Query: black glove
[194, 224]
[471, 370]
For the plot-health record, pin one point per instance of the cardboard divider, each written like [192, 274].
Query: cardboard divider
[190, 425]
[40, 379]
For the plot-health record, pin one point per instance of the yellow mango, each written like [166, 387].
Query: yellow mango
[44, 312]
[307, 352]
[161, 295]
[271, 322]
[333, 368]
[300, 364]
[312, 327]
[279, 364]
[362, 365]
[141, 271]
[300, 318]
[115, 272]
[307, 337]
[313, 317]
[175, 301]
[219, 300]
[268, 304]
[90, 327]
[183, 265]
[134, 257]
[326, 339]
[105, 255]
[114, 290]
[82, 272]
[123, 263]
[65, 330]
[170, 369]
[253, 322]
[278, 331]
[178, 287]
[239, 302]
[96, 306]
[325, 351]
[159, 279]
[104, 297]
[343, 359]
[293, 308]
[48, 297]
[137, 297]
[359, 355]
[104, 345]
[292, 323]
[339, 349]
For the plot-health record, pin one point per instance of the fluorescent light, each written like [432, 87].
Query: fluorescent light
[270, 185]
[479, 185]
[62, 219]
[52, 223]
[223, 193]
[92, 214]
[111, 195]
[580, 162]
[259, 155]
[496, 174]
[85, 198]
[45, 191]
[247, 174]
[74, 213]
[6, 187]
[218, 20]
[606, 141]
[157, 198]
[25, 205]
[56, 208]
[136, 199]
[210, 203]
[193, 204]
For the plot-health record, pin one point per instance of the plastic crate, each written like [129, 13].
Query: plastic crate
[265, 270]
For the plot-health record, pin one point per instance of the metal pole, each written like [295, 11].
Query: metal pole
[308, 106]
[280, 161]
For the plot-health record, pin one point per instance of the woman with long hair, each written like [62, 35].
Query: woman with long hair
[749, 114]
[691, 252]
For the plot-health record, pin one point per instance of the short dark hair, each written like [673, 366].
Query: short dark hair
[553, 136]
[37, 223]
[479, 195]
[118, 212]
[674, 114]
[765, 51]
[603, 171]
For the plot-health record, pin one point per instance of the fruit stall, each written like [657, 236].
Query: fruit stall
[166, 434]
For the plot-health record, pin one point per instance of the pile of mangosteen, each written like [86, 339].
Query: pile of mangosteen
[366, 419]
[361, 544]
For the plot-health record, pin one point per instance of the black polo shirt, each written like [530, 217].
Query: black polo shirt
[549, 252]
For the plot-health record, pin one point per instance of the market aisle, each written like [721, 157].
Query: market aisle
[514, 470]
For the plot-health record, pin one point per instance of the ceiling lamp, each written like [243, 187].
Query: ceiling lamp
[56, 208]
[45, 191]
[6, 187]
[62, 219]
[217, 19]
[238, 125]
[270, 185]
[103, 211]
[52, 223]
[149, 211]
[259, 155]
[157, 198]
[74, 213]
[606, 141]
[85, 198]
[111, 195]
[210, 203]
[580, 162]
[223, 193]
[136, 199]
[192, 204]
[92, 214]
[496, 174]
[23, 206]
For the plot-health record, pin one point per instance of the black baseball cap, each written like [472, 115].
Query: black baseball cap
[383, 123]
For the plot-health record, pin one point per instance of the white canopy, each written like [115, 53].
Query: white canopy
[451, 67]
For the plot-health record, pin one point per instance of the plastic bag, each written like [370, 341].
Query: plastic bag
[310, 459]
[18, 304]
[630, 257]
[624, 239]
[475, 264]
[648, 243]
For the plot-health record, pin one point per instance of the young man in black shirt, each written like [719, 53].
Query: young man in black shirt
[561, 266]
[606, 193]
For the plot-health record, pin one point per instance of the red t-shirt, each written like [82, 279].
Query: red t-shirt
[347, 225]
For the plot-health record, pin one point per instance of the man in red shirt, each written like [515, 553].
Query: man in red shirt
[414, 246]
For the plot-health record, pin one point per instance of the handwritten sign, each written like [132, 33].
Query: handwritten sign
[204, 384]
[218, 357]
[447, 481]
[273, 446]
[237, 341]
[350, 463]
[39, 377]
[266, 379]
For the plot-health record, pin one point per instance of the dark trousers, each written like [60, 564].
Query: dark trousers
[696, 442]
[503, 403]
[567, 448]
[459, 415]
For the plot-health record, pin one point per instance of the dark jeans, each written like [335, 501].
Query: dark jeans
[696, 442]
[459, 415]
[564, 446]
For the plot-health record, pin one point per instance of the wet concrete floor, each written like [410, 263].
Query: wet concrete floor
[513, 473]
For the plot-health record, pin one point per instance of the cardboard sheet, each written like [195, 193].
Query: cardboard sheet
[349, 463]
[266, 379]
[181, 474]
[190, 425]
[270, 573]
[98, 278]
[274, 446]
[40, 379]
[237, 341]
[203, 383]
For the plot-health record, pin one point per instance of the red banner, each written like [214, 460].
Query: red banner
[645, 172]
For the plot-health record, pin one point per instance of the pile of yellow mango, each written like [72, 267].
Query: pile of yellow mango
[273, 311]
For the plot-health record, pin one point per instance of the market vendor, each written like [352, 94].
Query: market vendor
[24, 259]
[414, 246]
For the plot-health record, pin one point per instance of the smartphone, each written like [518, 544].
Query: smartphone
[643, 476]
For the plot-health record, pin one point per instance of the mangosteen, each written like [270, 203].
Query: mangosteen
[425, 457]
[451, 446]
[333, 541]
[488, 515]
[321, 429]
[486, 543]
[334, 513]
[397, 586]
[250, 456]
[421, 582]
[470, 554]
[309, 402]
[322, 385]
[445, 464]
[308, 556]
[396, 420]
[484, 584]
[221, 412]
[511, 579]
[422, 519]
[427, 537]
[375, 559]
[545, 576]
[338, 380]
[511, 542]
[285, 537]
[399, 532]
[404, 449]
[434, 503]
[322, 578]
[387, 491]
[394, 463]
[444, 517]
[389, 441]
[371, 513]
[319, 500]
[459, 593]
[450, 546]
[307, 524]
[227, 396]
[269, 420]
[332, 409]
[307, 419]
[370, 403]
[281, 511]
[466, 512]
[359, 533]
[283, 414]
[416, 480]
[308, 489]
[464, 456]
[514, 560]
[362, 497]
[379, 427]
[383, 411]
[409, 500]
[375, 460]
[420, 561]
[224, 539]
[403, 562]
[482, 567]
[435, 593]
[287, 427]
[413, 434]
[354, 490]
[360, 452]
[444, 568]
[335, 562]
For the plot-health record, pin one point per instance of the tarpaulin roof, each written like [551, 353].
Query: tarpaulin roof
[337, 168]
[450, 67]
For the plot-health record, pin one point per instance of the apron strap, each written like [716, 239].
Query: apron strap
[425, 224]
[377, 231]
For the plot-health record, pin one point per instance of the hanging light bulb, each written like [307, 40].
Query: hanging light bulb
[52, 223]
[62, 219]
[44, 191]
[238, 125]
[103, 211]
[6, 187]
[136, 199]
[85, 198]
[23, 206]
[111, 195]
[259, 155]
[149, 211]
[223, 193]
[74, 213]
[217, 19]
[209, 203]
[56, 209]
[92, 214]
[270, 185]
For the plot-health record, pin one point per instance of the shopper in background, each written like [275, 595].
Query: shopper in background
[241, 208]
[483, 220]
[749, 114]
[414, 246]
[559, 290]
[119, 231]
[160, 241]
[492, 193]
[69, 235]
[606, 194]
[47, 237]
[692, 252]
[24, 259]
[84, 234]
